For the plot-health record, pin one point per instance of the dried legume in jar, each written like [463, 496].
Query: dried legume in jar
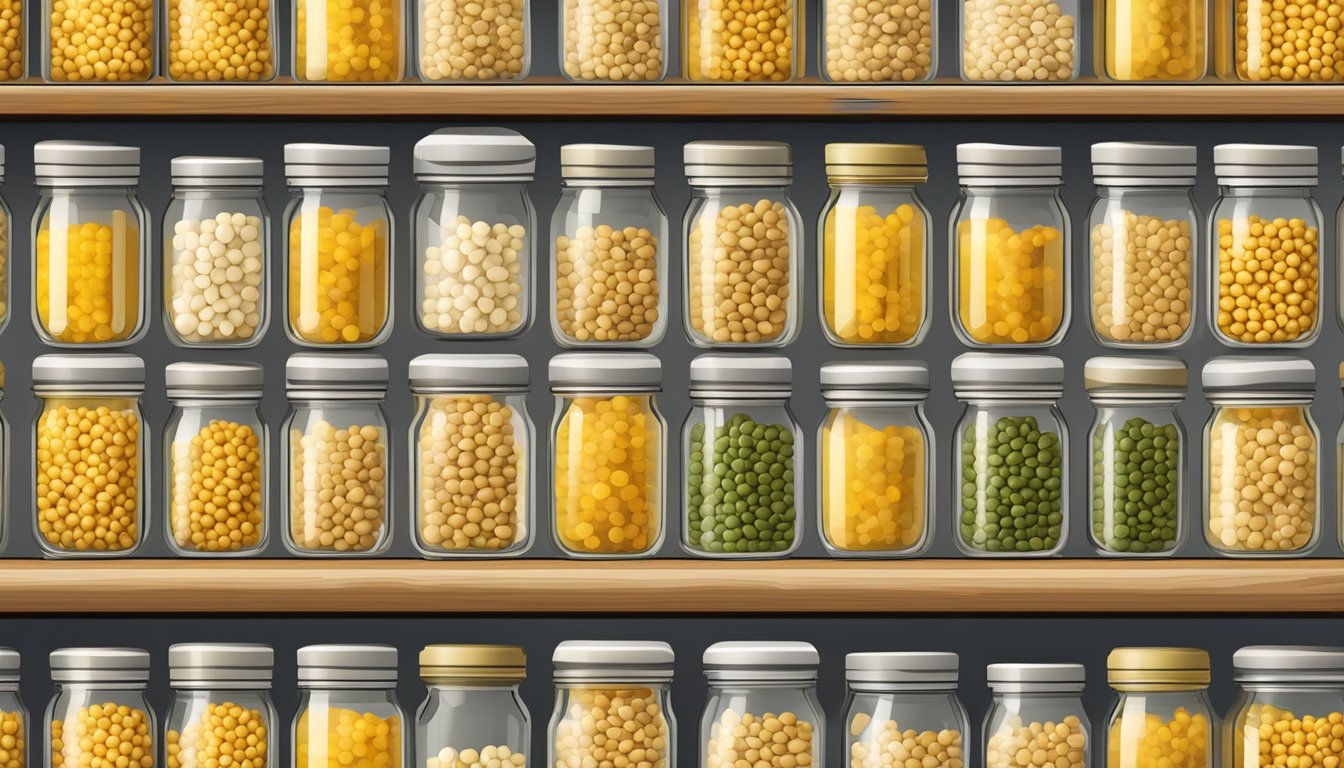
[216, 281]
[351, 740]
[1136, 486]
[99, 265]
[217, 487]
[473, 39]
[1181, 741]
[13, 740]
[786, 741]
[1268, 279]
[224, 735]
[739, 272]
[354, 41]
[741, 487]
[887, 745]
[107, 735]
[473, 278]
[220, 40]
[1262, 479]
[88, 474]
[485, 757]
[1155, 40]
[1011, 486]
[338, 494]
[617, 40]
[740, 40]
[878, 40]
[337, 276]
[1049, 744]
[1011, 283]
[1141, 278]
[1018, 40]
[1289, 40]
[872, 486]
[583, 737]
[12, 42]
[606, 283]
[471, 474]
[93, 40]
[1277, 734]
[873, 277]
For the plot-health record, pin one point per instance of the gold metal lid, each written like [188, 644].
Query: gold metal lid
[893, 163]
[504, 663]
[1131, 669]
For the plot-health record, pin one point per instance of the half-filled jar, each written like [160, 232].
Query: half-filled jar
[1290, 698]
[220, 42]
[348, 715]
[903, 707]
[1159, 41]
[221, 712]
[767, 690]
[1036, 718]
[1024, 41]
[1162, 716]
[473, 42]
[614, 41]
[613, 687]
[89, 41]
[13, 714]
[741, 42]
[473, 715]
[348, 41]
[100, 716]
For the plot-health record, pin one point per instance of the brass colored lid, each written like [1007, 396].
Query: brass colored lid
[504, 663]
[1130, 669]
[895, 163]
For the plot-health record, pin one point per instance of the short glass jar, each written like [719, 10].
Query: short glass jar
[472, 451]
[1162, 715]
[1261, 457]
[600, 685]
[765, 688]
[1040, 704]
[609, 456]
[876, 460]
[348, 41]
[1139, 41]
[220, 42]
[476, 42]
[6, 234]
[903, 706]
[216, 454]
[609, 249]
[1035, 41]
[90, 245]
[89, 455]
[338, 456]
[614, 41]
[95, 686]
[474, 233]
[742, 223]
[1289, 697]
[1012, 453]
[221, 706]
[473, 713]
[349, 692]
[714, 50]
[856, 48]
[1261, 41]
[13, 714]
[874, 246]
[1010, 239]
[1138, 451]
[338, 207]
[86, 41]
[1266, 247]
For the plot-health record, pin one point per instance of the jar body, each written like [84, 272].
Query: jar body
[360, 41]
[614, 42]
[901, 50]
[83, 44]
[713, 52]
[994, 35]
[327, 717]
[14, 42]
[1056, 722]
[1263, 42]
[209, 43]
[472, 42]
[1148, 729]
[584, 710]
[886, 728]
[786, 713]
[457, 720]
[1137, 479]
[6, 238]
[216, 478]
[202, 725]
[78, 709]
[14, 728]
[1153, 42]
[1267, 718]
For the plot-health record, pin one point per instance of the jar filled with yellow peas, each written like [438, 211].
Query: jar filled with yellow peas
[1290, 699]
[607, 486]
[13, 714]
[337, 456]
[1278, 41]
[879, 41]
[100, 716]
[472, 462]
[903, 707]
[13, 41]
[488, 40]
[1010, 244]
[603, 687]
[1265, 246]
[89, 455]
[90, 41]
[876, 460]
[1162, 716]
[614, 41]
[348, 41]
[743, 41]
[221, 712]
[1036, 718]
[1151, 40]
[473, 715]
[90, 245]
[1021, 41]
[6, 236]
[209, 41]
[767, 690]
[348, 715]
[1261, 457]
[338, 255]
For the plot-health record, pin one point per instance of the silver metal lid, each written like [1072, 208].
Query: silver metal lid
[494, 373]
[710, 163]
[606, 161]
[1008, 165]
[220, 665]
[348, 165]
[1144, 163]
[1266, 165]
[483, 153]
[1150, 378]
[1268, 374]
[875, 381]
[223, 381]
[741, 376]
[1288, 664]
[1009, 678]
[605, 372]
[100, 665]
[93, 163]
[194, 171]
[357, 666]
[738, 660]
[913, 669]
[10, 665]
[986, 374]
[614, 661]
[312, 373]
[89, 372]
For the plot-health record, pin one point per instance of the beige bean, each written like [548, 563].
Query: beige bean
[1141, 274]
[617, 40]
[1262, 480]
[612, 728]
[473, 39]
[1017, 40]
[471, 467]
[878, 40]
[740, 262]
[760, 741]
[338, 487]
[606, 283]
[472, 281]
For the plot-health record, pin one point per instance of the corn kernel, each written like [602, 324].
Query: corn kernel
[88, 281]
[1181, 741]
[337, 277]
[872, 486]
[1011, 283]
[348, 41]
[873, 277]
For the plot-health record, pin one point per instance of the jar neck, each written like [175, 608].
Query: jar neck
[900, 187]
[1285, 193]
[201, 192]
[756, 684]
[740, 190]
[1175, 194]
[336, 398]
[1036, 191]
[1009, 398]
[1261, 400]
[634, 188]
[461, 185]
[372, 190]
[1291, 686]
[729, 401]
[507, 687]
[200, 403]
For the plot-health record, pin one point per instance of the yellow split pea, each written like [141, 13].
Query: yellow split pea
[739, 273]
[1011, 283]
[1262, 480]
[13, 740]
[107, 735]
[742, 40]
[878, 40]
[612, 728]
[12, 42]
[1181, 741]
[472, 480]
[101, 40]
[337, 276]
[1289, 40]
[344, 738]
[338, 487]
[88, 280]
[220, 40]
[224, 735]
[218, 476]
[1141, 278]
[785, 741]
[872, 485]
[1269, 737]
[351, 41]
[884, 744]
[873, 276]
[1154, 39]
[606, 283]
[1268, 279]
[88, 476]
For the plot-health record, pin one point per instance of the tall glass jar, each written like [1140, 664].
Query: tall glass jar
[221, 706]
[1035, 41]
[6, 240]
[1138, 452]
[1039, 704]
[87, 41]
[348, 705]
[100, 692]
[473, 714]
[609, 461]
[626, 685]
[1289, 698]
[1162, 716]
[902, 707]
[1010, 238]
[1261, 457]
[765, 688]
[13, 715]
[210, 42]
[216, 454]
[338, 456]
[718, 45]
[1263, 41]
[472, 445]
[90, 489]
[90, 245]
[474, 233]
[348, 41]
[1161, 41]
[609, 249]
[741, 224]
[473, 42]
[613, 41]
[1012, 451]
[339, 248]
[1265, 244]
[740, 453]
[891, 42]
[874, 246]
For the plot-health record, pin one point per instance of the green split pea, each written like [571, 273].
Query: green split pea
[1136, 489]
[741, 488]
[1012, 486]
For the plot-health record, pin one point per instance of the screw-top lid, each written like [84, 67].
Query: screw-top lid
[312, 374]
[750, 377]
[229, 666]
[1008, 165]
[615, 162]
[914, 670]
[506, 664]
[100, 665]
[981, 374]
[339, 165]
[741, 163]
[1265, 165]
[1036, 678]
[1157, 669]
[606, 372]
[480, 153]
[1135, 378]
[635, 661]
[1272, 377]
[458, 373]
[89, 373]
[877, 163]
[10, 666]
[89, 163]
[1144, 163]
[353, 666]
[745, 661]
[875, 381]
[222, 381]
[217, 171]
[1288, 664]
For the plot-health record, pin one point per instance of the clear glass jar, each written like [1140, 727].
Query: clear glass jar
[348, 41]
[472, 445]
[217, 253]
[1162, 715]
[95, 686]
[338, 456]
[609, 249]
[1010, 234]
[716, 50]
[216, 454]
[86, 41]
[1034, 41]
[1265, 240]
[474, 233]
[473, 42]
[90, 245]
[1141, 41]
[876, 460]
[473, 713]
[1040, 703]
[339, 250]
[622, 684]
[221, 706]
[13, 715]
[6, 226]
[210, 42]
[897, 44]
[1261, 457]
[1262, 41]
[740, 451]
[741, 222]
[89, 448]
[609, 459]
[902, 707]
[769, 688]
[611, 41]
[13, 43]
[1138, 455]
[347, 693]
[1012, 450]
[1289, 698]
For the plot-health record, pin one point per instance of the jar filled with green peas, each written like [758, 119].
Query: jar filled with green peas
[1137, 448]
[742, 453]
[1012, 451]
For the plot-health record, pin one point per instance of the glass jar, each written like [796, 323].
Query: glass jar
[6, 229]
[221, 706]
[1261, 453]
[717, 50]
[1289, 697]
[13, 715]
[609, 249]
[216, 452]
[90, 240]
[740, 451]
[473, 713]
[1163, 41]
[347, 693]
[1040, 703]
[612, 684]
[1266, 229]
[613, 41]
[95, 686]
[1162, 715]
[87, 41]
[216, 245]
[471, 444]
[88, 443]
[857, 48]
[607, 499]
[876, 464]
[348, 41]
[1263, 41]
[1138, 455]
[1012, 451]
[338, 458]
[340, 245]
[14, 42]
[474, 233]
[473, 42]
[767, 688]
[211, 42]
[902, 707]
[741, 222]
[1030, 42]
[874, 248]
[1010, 230]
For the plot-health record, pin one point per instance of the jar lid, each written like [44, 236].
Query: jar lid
[217, 171]
[985, 374]
[916, 669]
[1246, 374]
[775, 661]
[89, 372]
[578, 661]
[313, 373]
[1149, 378]
[711, 163]
[504, 663]
[482, 153]
[1157, 668]
[605, 371]
[345, 165]
[1265, 165]
[1008, 165]
[1020, 678]
[94, 163]
[875, 381]
[222, 381]
[892, 163]
[220, 665]
[336, 666]
[99, 665]
[1144, 163]
[10, 665]
[751, 377]
[493, 373]
[606, 161]
[1288, 663]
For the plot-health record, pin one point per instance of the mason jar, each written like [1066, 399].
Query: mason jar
[6, 245]
[85, 41]
[714, 50]
[478, 42]
[474, 232]
[338, 457]
[1261, 457]
[340, 244]
[97, 690]
[1159, 42]
[1013, 455]
[1162, 715]
[1035, 41]
[473, 713]
[348, 703]
[472, 446]
[741, 223]
[897, 44]
[903, 706]
[1260, 42]
[221, 705]
[220, 43]
[89, 449]
[1038, 704]
[609, 249]
[1010, 240]
[614, 41]
[874, 246]
[13, 714]
[603, 685]
[766, 688]
[348, 41]
[216, 452]
[1289, 697]
[90, 245]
